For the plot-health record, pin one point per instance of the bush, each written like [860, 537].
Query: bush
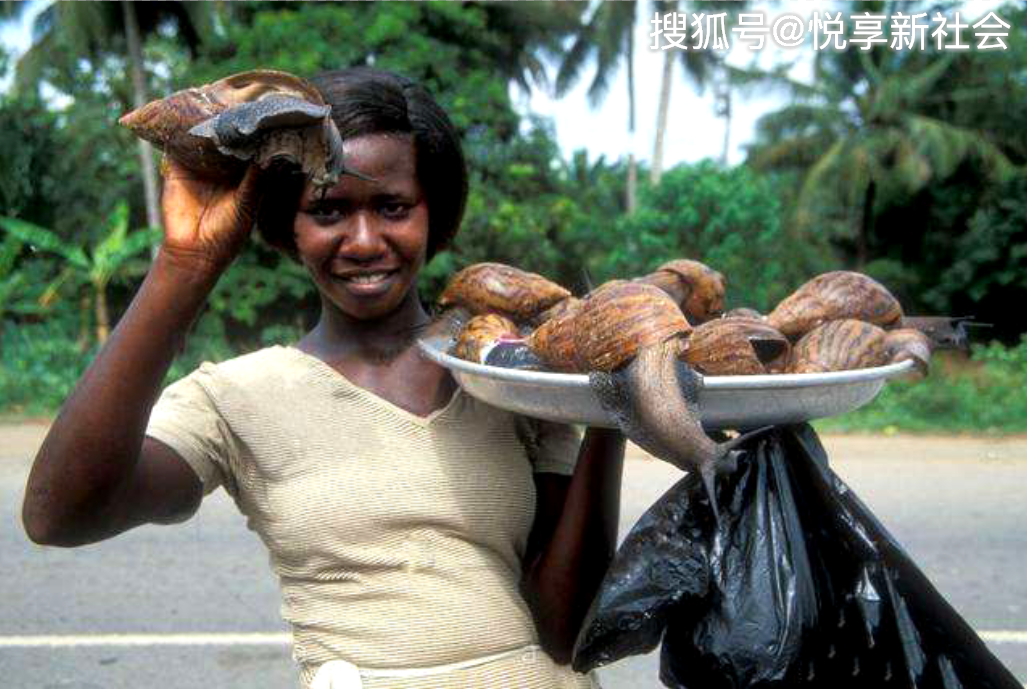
[40, 364]
[728, 218]
[985, 394]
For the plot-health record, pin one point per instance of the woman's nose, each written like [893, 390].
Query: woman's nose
[363, 241]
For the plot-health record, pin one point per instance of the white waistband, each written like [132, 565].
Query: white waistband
[342, 674]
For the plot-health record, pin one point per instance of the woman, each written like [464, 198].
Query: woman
[421, 538]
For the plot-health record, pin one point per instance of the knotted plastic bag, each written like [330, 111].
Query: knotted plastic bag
[798, 584]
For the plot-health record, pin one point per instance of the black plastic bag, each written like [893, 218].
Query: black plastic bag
[797, 585]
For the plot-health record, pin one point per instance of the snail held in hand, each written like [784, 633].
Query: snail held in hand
[261, 116]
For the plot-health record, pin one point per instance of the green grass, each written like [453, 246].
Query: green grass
[985, 393]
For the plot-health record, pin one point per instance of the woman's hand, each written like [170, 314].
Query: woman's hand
[206, 222]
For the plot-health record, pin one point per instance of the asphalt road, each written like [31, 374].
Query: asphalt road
[194, 605]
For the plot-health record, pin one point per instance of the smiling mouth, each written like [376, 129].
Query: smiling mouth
[369, 278]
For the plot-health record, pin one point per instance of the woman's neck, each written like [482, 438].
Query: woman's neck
[338, 336]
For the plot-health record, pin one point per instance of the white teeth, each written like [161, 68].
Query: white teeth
[367, 278]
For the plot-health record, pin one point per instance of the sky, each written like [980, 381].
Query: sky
[693, 132]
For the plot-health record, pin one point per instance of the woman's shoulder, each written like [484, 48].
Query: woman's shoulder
[269, 368]
[265, 360]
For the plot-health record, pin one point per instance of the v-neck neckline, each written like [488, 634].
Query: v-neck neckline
[330, 374]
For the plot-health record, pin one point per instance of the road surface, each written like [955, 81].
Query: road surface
[194, 605]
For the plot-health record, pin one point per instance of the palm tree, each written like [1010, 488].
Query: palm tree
[93, 29]
[109, 260]
[861, 136]
[527, 33]
[12, 282]
[607, 39]
[700, 68]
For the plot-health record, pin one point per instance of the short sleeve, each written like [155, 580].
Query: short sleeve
[551, 447]
[186, 419]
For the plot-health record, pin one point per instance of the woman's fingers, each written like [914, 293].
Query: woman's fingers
[208, 218]
[248, 195]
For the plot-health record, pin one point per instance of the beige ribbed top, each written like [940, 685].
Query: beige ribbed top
[397, 539]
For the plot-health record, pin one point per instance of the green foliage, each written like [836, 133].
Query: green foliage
[27, 137]
[98, 265]
[42, 239]
[987, 396]
[40, 363]
[87, 271]
[989, 261]
[444, 46]
[877, 128]
[728, 218]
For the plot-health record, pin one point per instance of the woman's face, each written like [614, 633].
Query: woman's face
[365, 241]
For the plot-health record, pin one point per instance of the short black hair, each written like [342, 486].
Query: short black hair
[366, 101]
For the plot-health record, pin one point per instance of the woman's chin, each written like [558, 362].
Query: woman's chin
[367, 307]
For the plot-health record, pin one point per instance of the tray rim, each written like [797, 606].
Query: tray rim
[778, 381]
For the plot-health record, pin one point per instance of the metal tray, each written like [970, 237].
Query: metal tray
[725, 402]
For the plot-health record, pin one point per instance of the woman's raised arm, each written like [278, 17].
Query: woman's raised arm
[95, 474]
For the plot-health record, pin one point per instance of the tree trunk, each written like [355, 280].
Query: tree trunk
[631, 194]
[726, 110]
[139, 99]
[83, 330]
[866, 226]
[103, 320]
[661, 117]
[631, 197]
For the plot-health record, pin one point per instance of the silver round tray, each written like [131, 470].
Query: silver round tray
[725, 402]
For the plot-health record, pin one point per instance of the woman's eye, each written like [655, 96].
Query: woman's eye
[324, 215]
[395, 211]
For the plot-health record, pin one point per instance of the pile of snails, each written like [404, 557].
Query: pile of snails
[837, 321]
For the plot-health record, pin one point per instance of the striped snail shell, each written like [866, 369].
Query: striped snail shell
[499, 288]
[558, 309]
[743, 312]
[840, 346]
[554, 341]
[483, 330]
[835, 296]
[619, 319]
[261, 115]
[909, 344]
[697, 288]
[734, 347]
